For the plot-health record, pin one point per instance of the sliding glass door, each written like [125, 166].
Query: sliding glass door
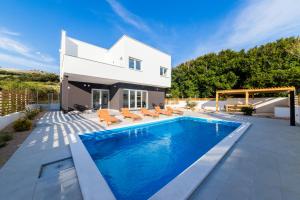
[100, 99]
[138, 99]
[135, 99]
[132, 99]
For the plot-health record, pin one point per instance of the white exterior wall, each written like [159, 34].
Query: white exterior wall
[151, 59]
[116, 53]
[84, 50]
[8, 119]
[297, 113]
[282, 112]
[108, 66]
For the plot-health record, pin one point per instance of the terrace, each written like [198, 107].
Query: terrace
[262, 165]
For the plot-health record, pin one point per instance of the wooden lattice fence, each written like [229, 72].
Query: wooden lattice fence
[12, 101]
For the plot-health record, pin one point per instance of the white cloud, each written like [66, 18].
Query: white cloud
[17, 61]
[127, 16]
[4, 30]
[14, 52]
[256, 22]
[264, 19]
[12, 45]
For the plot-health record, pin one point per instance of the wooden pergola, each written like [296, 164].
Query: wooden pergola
[253, 91]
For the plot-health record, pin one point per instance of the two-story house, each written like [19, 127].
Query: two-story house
[129, 74]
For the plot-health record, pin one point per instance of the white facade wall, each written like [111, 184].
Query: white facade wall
[84, 50]
[80, 58]
[282, 112]
[262, 105]
[151, 58]
[297, 113]
[116, 53]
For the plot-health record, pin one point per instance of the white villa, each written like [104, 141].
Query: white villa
[129, 74]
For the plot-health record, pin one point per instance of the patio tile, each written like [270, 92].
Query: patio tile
[269, 153]
[260, 192]
[290, 195]
[235, 191]
[291, 181]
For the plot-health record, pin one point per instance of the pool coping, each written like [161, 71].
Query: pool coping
[181, 187]
[92, 184]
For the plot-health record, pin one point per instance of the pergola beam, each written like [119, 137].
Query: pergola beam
[291, 91]
[257, 90]
[247, 98]
[292, 108]
[217, 101]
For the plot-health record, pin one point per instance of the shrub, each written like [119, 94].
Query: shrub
[23, 124]
[2, 144]
[5, 137]
[248, 110]
[191, 105]
[31, 113]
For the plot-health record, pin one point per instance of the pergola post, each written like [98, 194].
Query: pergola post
[292, 108]
[246, 98]
[217, 101]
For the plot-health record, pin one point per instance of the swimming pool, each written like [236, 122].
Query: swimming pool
[138, 161]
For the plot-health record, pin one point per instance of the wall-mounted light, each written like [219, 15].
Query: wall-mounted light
[69, 87]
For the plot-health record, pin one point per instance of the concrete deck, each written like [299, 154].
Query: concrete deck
[264, 164]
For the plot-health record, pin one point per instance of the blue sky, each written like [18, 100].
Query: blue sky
[30, 29]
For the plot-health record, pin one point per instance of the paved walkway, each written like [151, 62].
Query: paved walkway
[263, 165]
[24, 177]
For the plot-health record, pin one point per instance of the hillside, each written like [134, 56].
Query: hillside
[270, 65]
[12, 79]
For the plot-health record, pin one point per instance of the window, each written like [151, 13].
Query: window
[131, 63]
[138, 99]
[132, 99]
[134, 64]
[138, 65]
[163, 71]
[135, 99]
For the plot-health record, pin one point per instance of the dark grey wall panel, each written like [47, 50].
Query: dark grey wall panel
[80, 93]
[156, 97]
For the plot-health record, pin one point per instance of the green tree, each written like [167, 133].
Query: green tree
[271, 65]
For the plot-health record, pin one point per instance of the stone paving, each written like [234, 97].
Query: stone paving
[48, 142]
[264, 164]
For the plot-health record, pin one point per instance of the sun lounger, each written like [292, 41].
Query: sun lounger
[174, 111]
[163, 112]
[104, 115]
[146, 112]
[127, 114]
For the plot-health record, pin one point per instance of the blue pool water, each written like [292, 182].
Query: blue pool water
[138, 161]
